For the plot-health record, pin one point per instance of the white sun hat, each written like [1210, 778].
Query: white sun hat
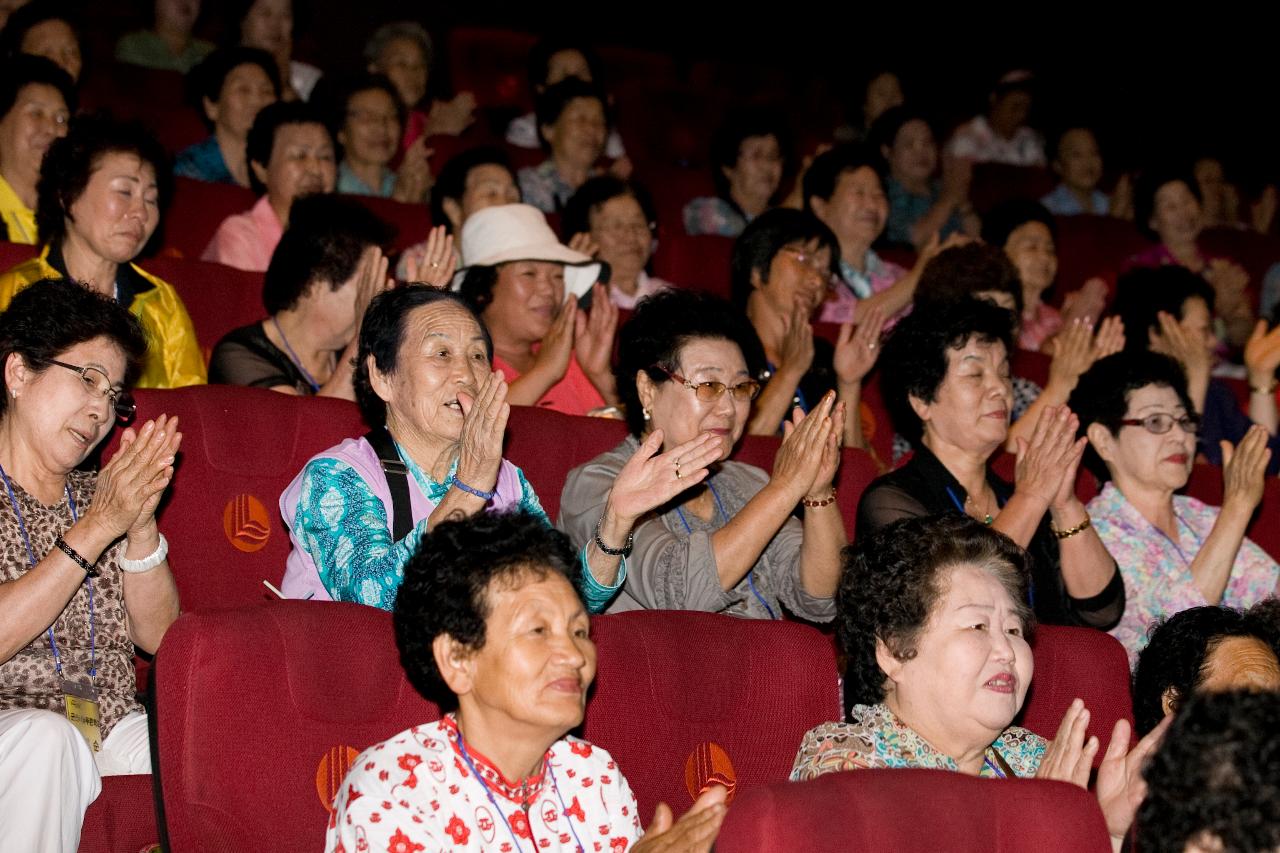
[519, 232]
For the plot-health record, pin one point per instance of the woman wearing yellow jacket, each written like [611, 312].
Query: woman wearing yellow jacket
[99, 202]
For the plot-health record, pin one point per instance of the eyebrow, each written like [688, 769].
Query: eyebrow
[711, 368]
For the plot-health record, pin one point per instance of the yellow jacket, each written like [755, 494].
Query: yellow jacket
[19, 220]
[173, 354]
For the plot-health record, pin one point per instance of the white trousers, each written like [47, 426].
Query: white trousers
[48, 776]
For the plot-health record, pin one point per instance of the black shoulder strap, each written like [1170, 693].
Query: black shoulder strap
[397, 481]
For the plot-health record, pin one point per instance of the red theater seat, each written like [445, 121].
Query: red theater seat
[410, 221]
[682, 698]
[994, 183]
[915, 810]
[198, 209]
[491, 64]
[123, 818]
[12, 254]
[240, 448]
[1091, 246]
[696, 263]
[218, 298]
[1253, 251]
[1206, 485]
[1079, 663]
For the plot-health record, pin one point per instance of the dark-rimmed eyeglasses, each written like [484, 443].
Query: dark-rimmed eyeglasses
[98, 382]
[1161, 423]
[709, 392]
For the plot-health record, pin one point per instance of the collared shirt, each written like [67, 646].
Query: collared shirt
[1063, 202]
[19, 220]
[715, 216]
[646, 285]
[854, 285]
[875, 737]
[203, 162]
[1157, 571]
[350, 184]
[246, 240]
[543, 187]
[976, 140]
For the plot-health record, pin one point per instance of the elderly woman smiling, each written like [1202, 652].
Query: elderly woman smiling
[36, 100]
[932, 617]
[101, 193]
[727, 543]
[488, 623]
[84, 576]
[357, 510]
[229, 88]
[1174, 551]
[946, 374]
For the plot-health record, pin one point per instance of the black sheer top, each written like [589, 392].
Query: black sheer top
[246, 356]
[924, 486]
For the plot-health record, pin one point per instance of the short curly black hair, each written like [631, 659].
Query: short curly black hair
[766, 236]
[659, 330]
[1009, 216]
[206, 80]
[448, 580]
[893, 578]
[739, 126]
[71, 161]
[23, 70]
[556, 98]
[1143, 292]
[451, 183]
[1216, 778]
[1149, 183]
[964, 271]
[262, 136]
[916, 353]
[823, 175]
[1177, 656]
[54, 314]
[592, 195]
[382, 335]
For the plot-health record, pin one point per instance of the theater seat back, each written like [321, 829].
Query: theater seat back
[240, 448]
[218, 298]
[683, 697]
[197, 210]
[915, 810]
[1205, 485]
[260, 712]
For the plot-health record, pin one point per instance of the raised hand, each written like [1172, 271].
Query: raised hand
[130, 485]
[1069, 757]
[435, 262]
[583, 242]
[1262, 355]
[797, 343]
[557, 344]
[484, 423]
[413, 180]
[651, 479]
[695, 832]
[1072, 353]
[801, 457]
[450, 118]
[857, 349]
[371, 279]
[1175, 341]
[1044, 462]
[1110, 338]
[1120, 787]
[594, 331]
[1244, 470]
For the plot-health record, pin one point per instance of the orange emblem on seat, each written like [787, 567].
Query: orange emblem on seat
[246, 523]
[709, 765]
[333, 768]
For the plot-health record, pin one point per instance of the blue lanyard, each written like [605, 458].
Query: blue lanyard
[493, 801]
[297, 362]
[31, 557]
[996, 770]
[751, 583]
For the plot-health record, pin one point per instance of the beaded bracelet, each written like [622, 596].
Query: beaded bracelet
[1271, 389]
[624, 551]
[830, 499]
[89, 569]
[485, 496]
[1072, 531]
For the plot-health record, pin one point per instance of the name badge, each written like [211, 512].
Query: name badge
[81, 702]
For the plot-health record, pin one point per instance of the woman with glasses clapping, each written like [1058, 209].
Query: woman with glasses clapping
[1174, 552]
[728, 542]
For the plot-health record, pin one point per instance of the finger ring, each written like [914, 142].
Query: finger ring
[677, 464]
[871, 345]
[435, 263]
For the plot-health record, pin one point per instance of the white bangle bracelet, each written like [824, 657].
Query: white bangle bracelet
[147, 563]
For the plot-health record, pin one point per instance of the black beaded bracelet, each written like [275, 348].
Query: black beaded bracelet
[89, 569]
[624, 551]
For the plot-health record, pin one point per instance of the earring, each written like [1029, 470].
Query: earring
[647, 417]
[13, 393]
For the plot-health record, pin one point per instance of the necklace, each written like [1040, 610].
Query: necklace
[970, 502]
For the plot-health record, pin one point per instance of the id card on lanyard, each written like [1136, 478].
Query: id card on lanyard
[79, 698]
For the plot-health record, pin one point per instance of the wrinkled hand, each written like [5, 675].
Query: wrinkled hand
[594, 331]
[1086, 303]
[450, 118]
[1174, 341]
[621, 168]
[803, 458]
[434, 261]
[484, 423]
[1263, 211]
[557, 344]
[1244, 470]
[130, 485]
[1069, 758]
[1053, 452]
[857, 349]
[1110, 338]
[1072, 354]
[1229, 281]
[583, 242]
[649, 479]
[413, 180]
[694, 833]
[1120, 787]
[1262, 354]
[796, 355]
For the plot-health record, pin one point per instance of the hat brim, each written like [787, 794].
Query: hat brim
[580, 272]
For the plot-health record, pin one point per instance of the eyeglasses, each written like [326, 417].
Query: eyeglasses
[709, 392]
[1161, 423]
[810, 260]
[98, 382]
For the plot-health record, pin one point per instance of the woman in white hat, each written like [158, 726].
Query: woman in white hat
[527, 288]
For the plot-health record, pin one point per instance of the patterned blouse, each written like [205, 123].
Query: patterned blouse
[418, 792]
[1038, 325]
[854, 285]
[875, 738]
[715, 216]
[1157, 571]
[543, 187]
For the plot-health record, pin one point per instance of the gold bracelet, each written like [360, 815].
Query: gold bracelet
[830, 499]
[1268, 391]
[1071, 531]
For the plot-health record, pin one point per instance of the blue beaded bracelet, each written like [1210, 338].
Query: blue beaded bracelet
[485, 496]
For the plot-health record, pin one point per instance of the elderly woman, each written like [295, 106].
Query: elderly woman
[526, 287]
[727, 543]
[619, 217]
[44, 28]
[1170, 310]
[169, 45]
[1207, 649]
[1173, 551]
[946, 379]
[357, 510]
[921, 206]
[1167, 209]
[367, 123]
[84, 578]
[102, 190]
[1077, 161]
[402, 50]
[933, 619]
[268, 24]
[573, 123]
[551, 60]
[229, 89]
[782, 267]
[290, 154]
[473, 592]
[327, 268]
[748, 159]
[1002, 135]
[36, 102]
